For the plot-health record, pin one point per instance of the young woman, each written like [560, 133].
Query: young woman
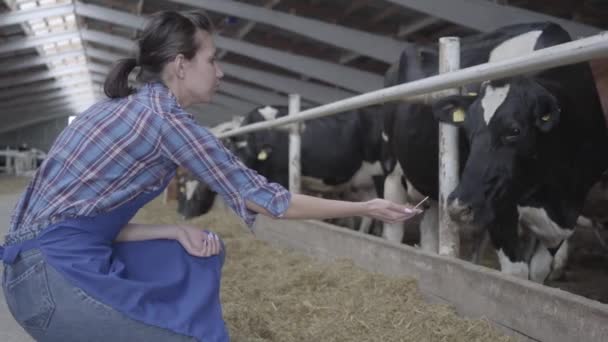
[76, 269]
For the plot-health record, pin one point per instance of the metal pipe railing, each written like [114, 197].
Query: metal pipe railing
[422, 90]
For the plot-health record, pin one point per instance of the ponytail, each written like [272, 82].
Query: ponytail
[117, 82]
[166, 35]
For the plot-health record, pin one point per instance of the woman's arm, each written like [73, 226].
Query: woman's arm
[308, 207]
[140, 232]
[195, 241]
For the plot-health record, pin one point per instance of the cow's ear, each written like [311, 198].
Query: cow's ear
[547, 113]
[452, 109]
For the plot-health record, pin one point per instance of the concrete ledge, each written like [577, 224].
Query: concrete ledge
[528, 310]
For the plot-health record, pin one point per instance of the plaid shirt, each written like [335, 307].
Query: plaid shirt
[119, 148]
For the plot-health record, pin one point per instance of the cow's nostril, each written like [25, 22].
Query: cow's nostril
[459, 211]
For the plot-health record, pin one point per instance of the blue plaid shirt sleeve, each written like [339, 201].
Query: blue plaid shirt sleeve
[189, 145]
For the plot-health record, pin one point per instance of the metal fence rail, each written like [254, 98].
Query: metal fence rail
[422, 90]
[443, 239]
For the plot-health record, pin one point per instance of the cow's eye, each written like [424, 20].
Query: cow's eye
[512, 134]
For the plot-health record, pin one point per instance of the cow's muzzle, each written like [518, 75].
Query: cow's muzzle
[459, 211]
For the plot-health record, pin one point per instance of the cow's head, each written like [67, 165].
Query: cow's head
[256, 148]
[506, 125]
[194, 198]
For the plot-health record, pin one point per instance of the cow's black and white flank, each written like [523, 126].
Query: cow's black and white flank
[334, 148]
[531, 148]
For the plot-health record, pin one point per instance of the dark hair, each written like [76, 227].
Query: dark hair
[166, 35]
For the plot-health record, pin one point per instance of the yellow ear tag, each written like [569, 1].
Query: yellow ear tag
[458, 115]
[546, 117]
[262, 155]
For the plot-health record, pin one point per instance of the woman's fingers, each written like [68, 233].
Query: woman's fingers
[390, 212]
[198, 242]
[212, 242]
[213, 249]
[404, 210]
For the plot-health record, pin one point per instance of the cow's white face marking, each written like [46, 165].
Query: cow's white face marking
[268, 112]
[516, 46]
[492, 99]
[518, 269]
[547, 231]
[190, 188]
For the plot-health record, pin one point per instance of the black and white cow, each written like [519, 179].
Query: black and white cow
[334, 148]
[531, 147]
[194, 198]
[339, 154]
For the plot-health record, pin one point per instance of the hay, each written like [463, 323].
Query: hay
[271, 294]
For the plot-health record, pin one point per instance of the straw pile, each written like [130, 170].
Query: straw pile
[270, 294]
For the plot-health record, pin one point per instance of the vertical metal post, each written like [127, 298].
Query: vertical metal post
[10, 163]
[294, 146]
[449, 238]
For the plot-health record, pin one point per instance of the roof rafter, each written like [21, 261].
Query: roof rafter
[487, 16]
[346, 77]
[365, 43]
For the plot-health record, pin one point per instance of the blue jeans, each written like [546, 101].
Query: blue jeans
[52, 310]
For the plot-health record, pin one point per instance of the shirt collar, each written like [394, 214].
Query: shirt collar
[164, 94]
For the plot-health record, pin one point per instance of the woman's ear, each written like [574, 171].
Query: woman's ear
[179, 64]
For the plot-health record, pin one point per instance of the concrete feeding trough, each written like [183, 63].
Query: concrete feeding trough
[521, 308]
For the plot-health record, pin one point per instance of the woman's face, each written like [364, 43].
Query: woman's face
[202, 73]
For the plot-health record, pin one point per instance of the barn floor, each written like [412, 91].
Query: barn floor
[271, 294]
[10, 331]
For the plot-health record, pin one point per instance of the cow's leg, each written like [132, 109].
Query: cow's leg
[540, 264]
[365, 225]
[512, 266]
[365, 192]
[560, 259]
[552, 238]
[394, 191]
[429, 232]
[546, 266]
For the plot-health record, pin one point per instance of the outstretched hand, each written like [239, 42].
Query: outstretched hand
[389, 212]
[198, 242]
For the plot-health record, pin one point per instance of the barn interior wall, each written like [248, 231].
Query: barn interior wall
[40, 136]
